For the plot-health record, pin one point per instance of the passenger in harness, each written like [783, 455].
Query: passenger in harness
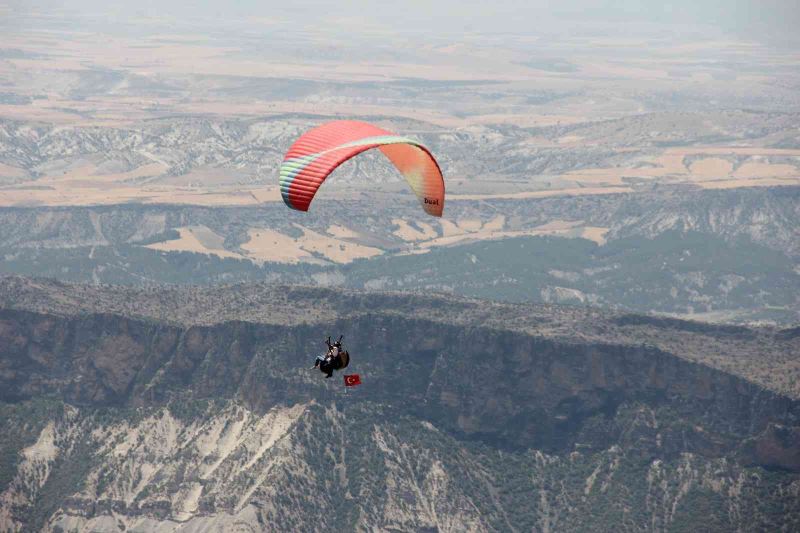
[334, 359]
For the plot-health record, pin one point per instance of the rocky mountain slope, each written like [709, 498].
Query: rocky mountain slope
[191, 409]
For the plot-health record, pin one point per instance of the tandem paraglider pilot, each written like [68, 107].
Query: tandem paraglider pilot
[335, 358]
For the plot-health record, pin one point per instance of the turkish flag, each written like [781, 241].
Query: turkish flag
[351, 380]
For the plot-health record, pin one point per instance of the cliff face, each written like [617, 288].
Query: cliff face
[509, 389]
[456, 427]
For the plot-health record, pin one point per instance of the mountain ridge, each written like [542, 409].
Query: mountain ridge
[473, 416]
[732, 349]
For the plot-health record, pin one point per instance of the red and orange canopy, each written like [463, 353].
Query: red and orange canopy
[319, 151]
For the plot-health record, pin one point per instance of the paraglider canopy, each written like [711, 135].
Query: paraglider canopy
[318, 152]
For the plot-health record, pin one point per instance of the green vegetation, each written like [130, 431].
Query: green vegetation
[134, 265]
[674, 272]
[20, 426]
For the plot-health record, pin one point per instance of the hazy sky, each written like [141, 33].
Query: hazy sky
[774, 20]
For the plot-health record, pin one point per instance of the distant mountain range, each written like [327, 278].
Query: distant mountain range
[728, 255]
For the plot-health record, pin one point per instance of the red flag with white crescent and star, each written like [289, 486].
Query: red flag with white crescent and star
[351, 380]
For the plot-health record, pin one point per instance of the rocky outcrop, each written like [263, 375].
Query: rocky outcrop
[775, 447]
[355, 465]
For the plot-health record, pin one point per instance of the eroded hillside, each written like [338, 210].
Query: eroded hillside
[472, 416]
[356, 465]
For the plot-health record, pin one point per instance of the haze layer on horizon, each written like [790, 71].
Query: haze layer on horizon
[768, 21]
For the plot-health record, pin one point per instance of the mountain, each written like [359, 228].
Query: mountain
[728, 256]
[194, 408]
